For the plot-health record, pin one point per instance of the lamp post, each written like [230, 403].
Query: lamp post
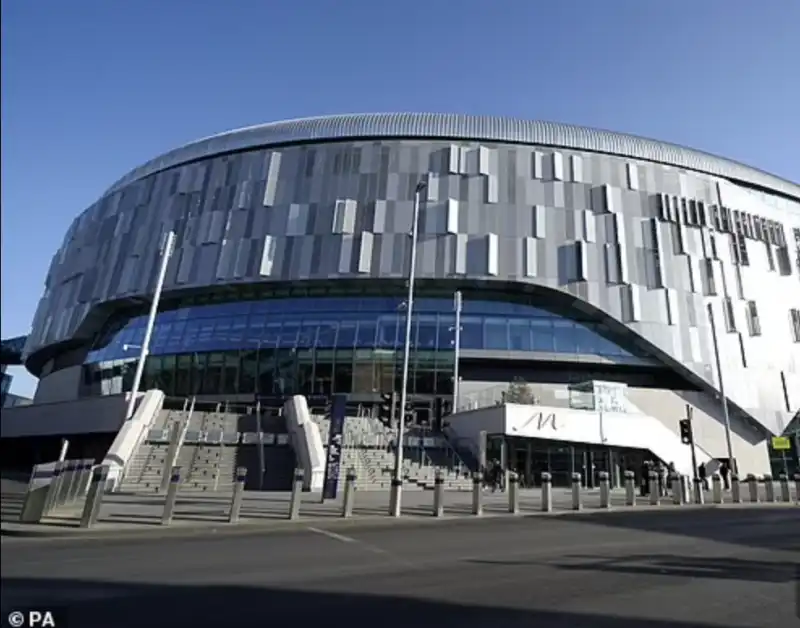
[397, 481]
[723, 398]
[457, 305]
[166, 253]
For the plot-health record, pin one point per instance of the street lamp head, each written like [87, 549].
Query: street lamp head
[421, 186]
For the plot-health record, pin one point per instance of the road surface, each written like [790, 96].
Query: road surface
[731, 567]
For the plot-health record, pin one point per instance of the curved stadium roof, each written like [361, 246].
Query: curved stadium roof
[456, 126]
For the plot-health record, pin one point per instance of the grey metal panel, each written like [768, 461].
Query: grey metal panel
[293, 239]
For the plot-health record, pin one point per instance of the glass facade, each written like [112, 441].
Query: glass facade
[327, 345]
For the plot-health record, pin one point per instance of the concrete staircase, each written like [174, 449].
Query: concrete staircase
[369, 449]
[145, 470]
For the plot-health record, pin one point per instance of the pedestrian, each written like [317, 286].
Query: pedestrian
[701, 473]
[725, 472]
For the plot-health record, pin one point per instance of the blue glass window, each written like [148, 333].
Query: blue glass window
[361, 323]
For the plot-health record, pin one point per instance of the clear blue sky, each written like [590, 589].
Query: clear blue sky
[93, 88]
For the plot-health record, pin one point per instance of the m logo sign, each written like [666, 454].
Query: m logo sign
[546, 419]
[542, 420]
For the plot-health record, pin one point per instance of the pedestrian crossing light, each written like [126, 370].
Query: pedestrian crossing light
[686, 431]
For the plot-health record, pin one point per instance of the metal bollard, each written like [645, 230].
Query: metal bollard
[396, 498]
[630, 488]
[477, 494]
[172, 496]
[576, 491]
[752, 485]
[655, 498]
[94, 500]
[786, 493]
[513, 493]
[238, 494]
[349, 493]
[699, 493]
[716, 488]
[797, 488]
[769, 489]
[547, 492]
[438, 494]
[677, 489]
[605, 490]
[736, 489]
[297, 494]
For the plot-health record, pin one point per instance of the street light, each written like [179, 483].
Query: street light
[397, 481]
[457, 306]
[166, 253]
[731, 460]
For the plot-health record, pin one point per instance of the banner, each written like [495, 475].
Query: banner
[333, 461]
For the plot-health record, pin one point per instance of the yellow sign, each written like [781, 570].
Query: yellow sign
[781, 443]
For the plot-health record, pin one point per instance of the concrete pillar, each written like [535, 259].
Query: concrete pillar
[477, 494]
[769, 489]
[736, 489]
[547, 492]
[94, 500]
[716, 487]
[605, 489]
[655, 498]
[677, 489]
[786, 493]
[513, 493]
[438, 494]
[297, 494]
[630, 488]
[752, 487]
[576, 491]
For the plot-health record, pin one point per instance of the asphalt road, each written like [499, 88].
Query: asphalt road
[731, 567]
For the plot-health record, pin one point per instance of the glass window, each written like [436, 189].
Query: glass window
[347, 335]
[365, 336]
[564, 336]
[272, 334]
[289, 334]
[230, 378]
[519, 335]
[542, 335]
[247, 375]
[471, 332]
[427, 332]
[308, 334]
[326, 334]
[496, 338]
[389, 332]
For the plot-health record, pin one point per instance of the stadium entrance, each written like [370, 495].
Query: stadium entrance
[530, 457]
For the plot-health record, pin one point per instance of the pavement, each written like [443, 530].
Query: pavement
[731, 567]
[140, 514]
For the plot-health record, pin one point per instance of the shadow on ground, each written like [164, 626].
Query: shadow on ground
[715, 568]
[763, 526]
[100, 604]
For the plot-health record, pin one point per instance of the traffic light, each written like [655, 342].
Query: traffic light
[386, 409]
[686, 431]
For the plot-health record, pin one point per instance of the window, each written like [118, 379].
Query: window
[730, 319]
[795, 319]
[753, 322]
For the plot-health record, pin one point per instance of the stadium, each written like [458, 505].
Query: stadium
[600, 276]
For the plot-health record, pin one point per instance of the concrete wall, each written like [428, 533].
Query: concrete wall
[84, 416]
[62, 385]
[669, 407]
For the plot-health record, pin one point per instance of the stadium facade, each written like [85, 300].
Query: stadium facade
[581, 255]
